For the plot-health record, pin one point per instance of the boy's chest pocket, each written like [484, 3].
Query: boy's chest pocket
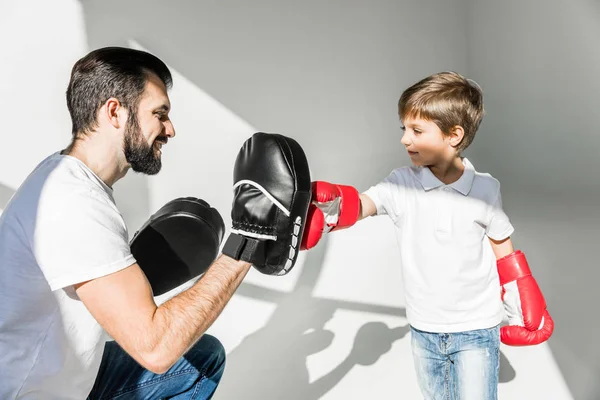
[464, 220]
[443, 221]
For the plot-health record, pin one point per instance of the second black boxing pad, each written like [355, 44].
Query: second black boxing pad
[179, 242]
[272, 192]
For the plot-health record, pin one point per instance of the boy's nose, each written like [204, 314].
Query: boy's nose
[405, 140]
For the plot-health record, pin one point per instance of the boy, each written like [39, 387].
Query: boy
[458, 260]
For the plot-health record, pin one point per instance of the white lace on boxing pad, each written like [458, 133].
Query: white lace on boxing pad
[254, 234]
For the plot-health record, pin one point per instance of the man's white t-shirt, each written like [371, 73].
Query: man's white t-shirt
[448, 266]
[61, 227]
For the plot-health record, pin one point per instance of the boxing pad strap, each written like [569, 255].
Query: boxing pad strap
[245, 248]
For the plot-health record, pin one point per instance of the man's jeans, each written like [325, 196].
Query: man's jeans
[457, 366]
[195, 376]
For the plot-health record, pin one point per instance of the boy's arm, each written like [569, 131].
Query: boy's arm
[501, 248]
[334, 207]
[367, 207]
[525, 306]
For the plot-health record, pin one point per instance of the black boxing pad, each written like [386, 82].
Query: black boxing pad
[272, 192]
[179, 242]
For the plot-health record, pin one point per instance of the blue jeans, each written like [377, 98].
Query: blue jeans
[195, 376]
[457, 366]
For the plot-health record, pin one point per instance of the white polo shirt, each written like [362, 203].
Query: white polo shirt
[448, 266]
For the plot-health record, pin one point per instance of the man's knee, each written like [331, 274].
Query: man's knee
[208, 354]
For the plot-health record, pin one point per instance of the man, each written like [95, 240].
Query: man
[67, 275]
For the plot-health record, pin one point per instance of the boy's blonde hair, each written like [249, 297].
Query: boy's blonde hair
[448, 99]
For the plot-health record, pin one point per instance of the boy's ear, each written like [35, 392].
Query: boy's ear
[457, 133]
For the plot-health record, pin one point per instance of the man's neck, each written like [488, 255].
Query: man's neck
[99, 156]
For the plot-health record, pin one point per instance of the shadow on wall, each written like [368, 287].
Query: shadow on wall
[271, 363]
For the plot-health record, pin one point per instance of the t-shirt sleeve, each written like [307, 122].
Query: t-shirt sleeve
[84, 238]
[499, 226]
[388, 195]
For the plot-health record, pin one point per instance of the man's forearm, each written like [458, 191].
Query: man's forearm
[182, 320]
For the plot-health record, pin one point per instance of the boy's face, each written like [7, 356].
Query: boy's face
[425, 142]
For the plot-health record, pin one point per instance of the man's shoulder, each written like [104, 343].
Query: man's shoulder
[59, 183]
[70, 175]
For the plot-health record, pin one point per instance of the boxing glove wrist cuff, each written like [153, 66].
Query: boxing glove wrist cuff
[512, 267]
[350, 206]
[244, 248]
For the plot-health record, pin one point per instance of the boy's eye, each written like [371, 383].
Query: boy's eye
[418, 131]
[403, 128]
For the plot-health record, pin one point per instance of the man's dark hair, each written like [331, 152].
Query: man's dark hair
[117, 72]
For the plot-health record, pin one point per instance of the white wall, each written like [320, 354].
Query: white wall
[325, 73]
[37, 53]
[538, 62]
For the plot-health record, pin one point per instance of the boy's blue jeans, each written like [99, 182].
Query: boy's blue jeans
[195, 376]
[457, 366]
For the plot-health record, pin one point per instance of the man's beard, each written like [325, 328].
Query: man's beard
[138, 153]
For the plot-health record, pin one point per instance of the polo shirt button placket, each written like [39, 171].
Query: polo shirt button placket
[444, 217]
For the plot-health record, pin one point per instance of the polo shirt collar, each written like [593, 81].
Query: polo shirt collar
[462, 185]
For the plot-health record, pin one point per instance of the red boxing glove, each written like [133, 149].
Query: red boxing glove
[529, 321]
[334, 207]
